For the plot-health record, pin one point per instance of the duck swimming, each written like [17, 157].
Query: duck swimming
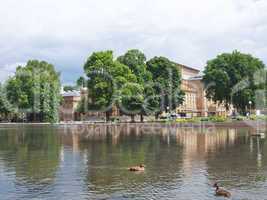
[140, 167]
[221, 192]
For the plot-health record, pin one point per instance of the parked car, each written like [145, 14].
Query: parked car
[174, 116]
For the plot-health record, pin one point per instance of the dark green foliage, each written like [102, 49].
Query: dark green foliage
[132, 98]
[35, 90]
[81, 82]
[136, 61]
[167, 79]
[106, 78]
[5, 107]
[229, 79]
[69, 88]
[130, 85]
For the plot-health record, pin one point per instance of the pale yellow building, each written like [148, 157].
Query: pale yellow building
[70, 102]
[71, 99]
[195, 102]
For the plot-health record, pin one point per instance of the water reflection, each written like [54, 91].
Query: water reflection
[29, 158]
[91, 162]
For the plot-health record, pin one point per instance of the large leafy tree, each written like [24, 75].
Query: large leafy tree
[167, 78]
[35, 90]
[106, 77]
[229, 79]
[132, 99]
[136, 61]
[5, 107]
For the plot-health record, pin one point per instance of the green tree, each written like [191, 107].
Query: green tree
[105, 80]
[229, 79]
[167, 78]
[35, 90]
[132, 99]
[5, 107]
[81, 82]
[67, 88]
[136, 61]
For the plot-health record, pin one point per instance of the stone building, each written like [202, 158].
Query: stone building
[196, 103]
[70, 102]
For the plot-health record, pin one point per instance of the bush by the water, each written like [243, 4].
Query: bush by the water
[218, 119]
[203, 119]
[260, 117]
[188, 120]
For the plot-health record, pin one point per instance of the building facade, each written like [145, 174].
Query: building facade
[195, 102]
[70, 101]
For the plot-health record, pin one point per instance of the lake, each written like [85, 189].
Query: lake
[91, 161]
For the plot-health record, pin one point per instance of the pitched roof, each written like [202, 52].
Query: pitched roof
[73, 93]
[191, 68]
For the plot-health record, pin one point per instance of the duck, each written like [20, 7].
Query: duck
[221, 192]
[138, 168]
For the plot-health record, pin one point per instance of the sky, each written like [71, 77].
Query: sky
[66, 32]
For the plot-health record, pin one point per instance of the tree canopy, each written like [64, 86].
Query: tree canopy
[230, 80]
[81, 82]
[131, 84]
[5, 107]
[35, 90]
[167, 82]
[106, 76]
[136, 61]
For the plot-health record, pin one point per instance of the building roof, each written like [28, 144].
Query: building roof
[191, 68]
[74, 93]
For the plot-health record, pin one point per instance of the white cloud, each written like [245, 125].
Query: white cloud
[65, 32]
[8, 70]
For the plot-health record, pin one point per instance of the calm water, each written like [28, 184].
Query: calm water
[50, 162]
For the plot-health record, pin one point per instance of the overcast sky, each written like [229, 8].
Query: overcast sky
[66, 32]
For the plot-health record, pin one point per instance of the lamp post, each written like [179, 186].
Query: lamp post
[168, 109]
[167, 114]
[250, 103]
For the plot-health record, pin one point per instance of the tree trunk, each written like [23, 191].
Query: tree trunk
[132, 118]
[34, 117]
[157, 116]
[141, 118]
[107, 116]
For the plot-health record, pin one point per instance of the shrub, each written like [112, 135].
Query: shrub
[204, 119]
[114, 119]
[253, 117]
[218, 119]
[261, 117]
[240, 118]
[188, 120]
[193, 120]
[180, 120]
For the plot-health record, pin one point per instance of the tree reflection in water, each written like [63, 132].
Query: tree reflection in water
[31, 155]
[91, 161]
